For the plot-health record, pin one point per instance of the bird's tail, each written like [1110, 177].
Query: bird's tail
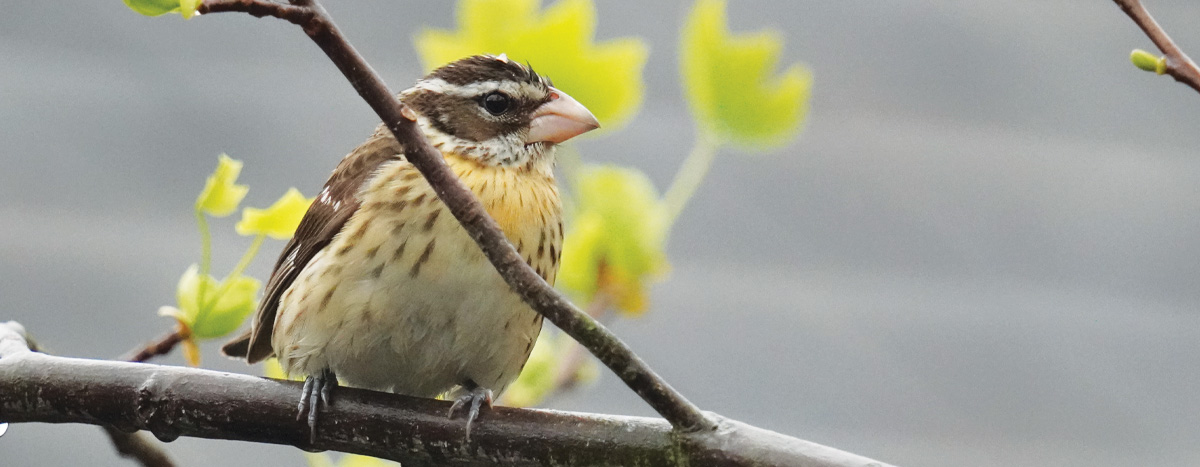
[239, 347]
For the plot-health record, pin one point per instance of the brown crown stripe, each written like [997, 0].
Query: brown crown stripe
[486, 67]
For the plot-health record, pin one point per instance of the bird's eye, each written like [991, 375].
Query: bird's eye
[496, 103]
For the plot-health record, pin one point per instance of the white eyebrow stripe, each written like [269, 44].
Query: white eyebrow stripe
[473, 90]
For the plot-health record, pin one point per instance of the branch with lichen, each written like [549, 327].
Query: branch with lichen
[175, 401]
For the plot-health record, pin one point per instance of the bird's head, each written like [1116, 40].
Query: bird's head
[495, 111]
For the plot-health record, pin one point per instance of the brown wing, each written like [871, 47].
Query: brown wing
[329, 212]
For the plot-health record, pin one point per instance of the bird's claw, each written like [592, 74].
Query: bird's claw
[315, 394]
[475, 398]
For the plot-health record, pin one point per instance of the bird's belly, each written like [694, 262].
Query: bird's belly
[416, 314]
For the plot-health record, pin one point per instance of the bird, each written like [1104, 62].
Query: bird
[381, 288]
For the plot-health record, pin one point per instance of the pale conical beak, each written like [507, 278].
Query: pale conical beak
[560, 119]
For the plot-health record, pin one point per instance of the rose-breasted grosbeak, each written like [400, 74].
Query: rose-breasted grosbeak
[382, 287]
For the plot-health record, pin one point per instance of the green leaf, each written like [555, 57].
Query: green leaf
[1148, 61]
[616, 242]
[356, 460]
[729, 82]
[221, 194]
[153, 7]
[187, 294]
[317, 459]
[216, 318]
[272, 369]
[558, 42]
[230, 310]
[278, 221]
[538, 377]
[323, 459]
[187, 8]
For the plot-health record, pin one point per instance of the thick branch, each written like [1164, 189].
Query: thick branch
[174, 401]
[470, 213]
[1179, 65]
[135, 445]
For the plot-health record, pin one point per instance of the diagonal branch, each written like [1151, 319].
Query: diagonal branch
[543, 298]
[173, 401]
[1179, 65]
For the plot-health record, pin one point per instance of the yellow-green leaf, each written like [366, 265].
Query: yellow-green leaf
[187, 294]
[730, 84]
[233, 306]
[616, 241]
[356, 460]
[222, 194]
[346, 460]
[1148, 61]
[213, 316]
[558, 42]
[538, 377]
[191, 351]
[272, 369]
[187, 8]
[278, 221]
[318, 459]
[153, 7]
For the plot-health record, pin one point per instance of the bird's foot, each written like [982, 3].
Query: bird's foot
[474, 398]
[316, 392]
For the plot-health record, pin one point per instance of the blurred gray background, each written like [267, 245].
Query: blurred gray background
[983, 250]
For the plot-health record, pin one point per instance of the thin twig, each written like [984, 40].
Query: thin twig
[178, 401]
[299, 15]
[137, 447]
[543, 298]
[1179, 65]
[161, 346]
[690, 175]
